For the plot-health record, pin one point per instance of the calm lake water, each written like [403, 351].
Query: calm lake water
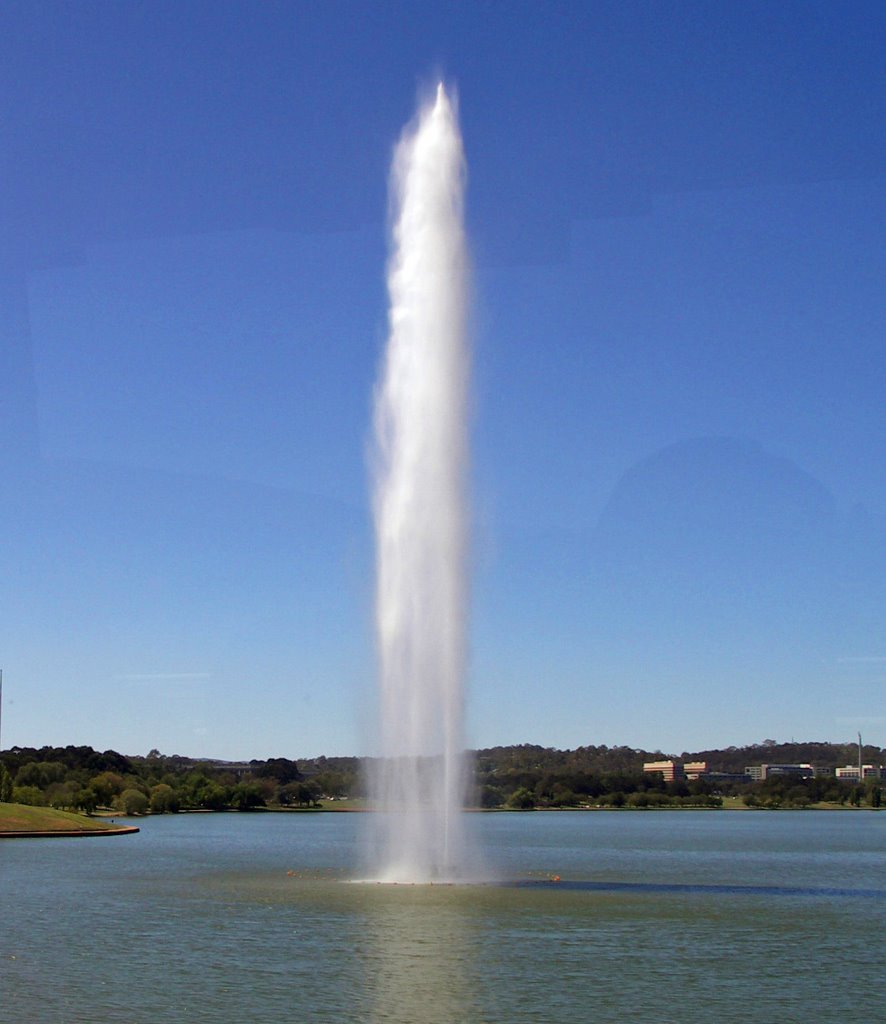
[250, 919]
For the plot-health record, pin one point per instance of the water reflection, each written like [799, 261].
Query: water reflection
[420, 954]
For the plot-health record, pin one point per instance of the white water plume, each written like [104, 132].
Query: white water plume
[420, 511]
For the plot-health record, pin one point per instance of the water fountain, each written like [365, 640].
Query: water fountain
[420, 470]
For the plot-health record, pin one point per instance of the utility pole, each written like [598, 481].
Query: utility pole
[860, 769]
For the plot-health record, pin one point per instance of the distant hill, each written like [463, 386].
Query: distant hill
[819, 754]
[605, 760]
[514, 757]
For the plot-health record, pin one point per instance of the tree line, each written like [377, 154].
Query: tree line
[518, 777]
[80, 778]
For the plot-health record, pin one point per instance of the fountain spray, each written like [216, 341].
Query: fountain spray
[420, 508]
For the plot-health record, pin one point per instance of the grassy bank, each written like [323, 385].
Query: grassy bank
[21, 818]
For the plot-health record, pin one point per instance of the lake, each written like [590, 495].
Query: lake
[689, 916]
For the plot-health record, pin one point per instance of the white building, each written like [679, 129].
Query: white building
[850, 772]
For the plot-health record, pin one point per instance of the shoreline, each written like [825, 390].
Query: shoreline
[122, 830]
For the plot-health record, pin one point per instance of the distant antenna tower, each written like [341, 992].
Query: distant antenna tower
[860, 769]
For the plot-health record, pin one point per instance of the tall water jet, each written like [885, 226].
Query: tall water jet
[420, 510]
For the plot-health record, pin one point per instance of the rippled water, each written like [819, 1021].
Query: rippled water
[676, 916]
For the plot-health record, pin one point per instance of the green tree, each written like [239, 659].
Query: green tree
[164, 799]
[214, 797]
[521, 800]
[279, 768]
[332, 784]
[796, 796]
[5, 785]
[107, 785]
[132, 801]
[679, 787]
[247, 796]
[491, 796]
[563, 796]
[86, 800]
[62, 795]
[40, 774]
[298, 794]
[30, 795]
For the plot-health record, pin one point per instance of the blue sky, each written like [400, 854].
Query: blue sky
[676, 222]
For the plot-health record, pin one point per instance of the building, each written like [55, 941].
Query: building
[715, 777]
[669, 770]
[760, 772]
[850, 772]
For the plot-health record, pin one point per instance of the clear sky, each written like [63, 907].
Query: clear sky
[676, 214]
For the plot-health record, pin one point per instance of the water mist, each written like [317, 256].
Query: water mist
[420, 511]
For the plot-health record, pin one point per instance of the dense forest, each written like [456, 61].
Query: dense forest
[518, 777]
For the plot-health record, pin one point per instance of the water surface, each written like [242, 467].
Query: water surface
[681, 916]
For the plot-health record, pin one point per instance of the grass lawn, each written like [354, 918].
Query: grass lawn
[357, 804]
[21, 818]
